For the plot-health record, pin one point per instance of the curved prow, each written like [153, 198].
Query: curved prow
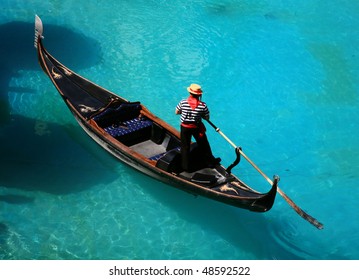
[272, 193]
[38, 30]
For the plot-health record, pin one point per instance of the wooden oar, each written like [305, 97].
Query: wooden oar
[303, 214]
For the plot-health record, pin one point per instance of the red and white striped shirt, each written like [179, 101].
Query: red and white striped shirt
[192, 111]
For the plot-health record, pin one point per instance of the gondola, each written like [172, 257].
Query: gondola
[137, 137]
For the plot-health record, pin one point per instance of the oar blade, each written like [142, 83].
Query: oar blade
[301, 213]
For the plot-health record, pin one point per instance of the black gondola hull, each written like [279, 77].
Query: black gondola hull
[93, 106]
[258, 204]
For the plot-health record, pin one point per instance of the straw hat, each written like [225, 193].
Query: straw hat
[195, 89]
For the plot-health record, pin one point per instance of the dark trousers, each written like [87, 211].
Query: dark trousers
[202, 142]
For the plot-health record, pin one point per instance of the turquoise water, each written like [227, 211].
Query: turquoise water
[280, 78]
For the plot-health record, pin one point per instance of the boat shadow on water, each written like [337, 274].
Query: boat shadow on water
[17, 53]
[36, 155]
[39, 156]
[16, 199]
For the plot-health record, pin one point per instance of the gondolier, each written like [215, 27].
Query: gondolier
[192, 111]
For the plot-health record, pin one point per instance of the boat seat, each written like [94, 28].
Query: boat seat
[131, 131]
[121, 113]
[170, 161]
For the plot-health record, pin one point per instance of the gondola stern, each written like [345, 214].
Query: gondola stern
[266, 202]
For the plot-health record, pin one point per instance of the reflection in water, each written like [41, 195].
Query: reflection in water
[50, 158]
[32, 151]
[17, 53]
[16, 199]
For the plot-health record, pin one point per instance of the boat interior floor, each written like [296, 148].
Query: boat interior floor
[148, 148]
[206, 176]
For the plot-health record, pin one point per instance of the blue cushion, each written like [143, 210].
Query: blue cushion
[128, 127]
